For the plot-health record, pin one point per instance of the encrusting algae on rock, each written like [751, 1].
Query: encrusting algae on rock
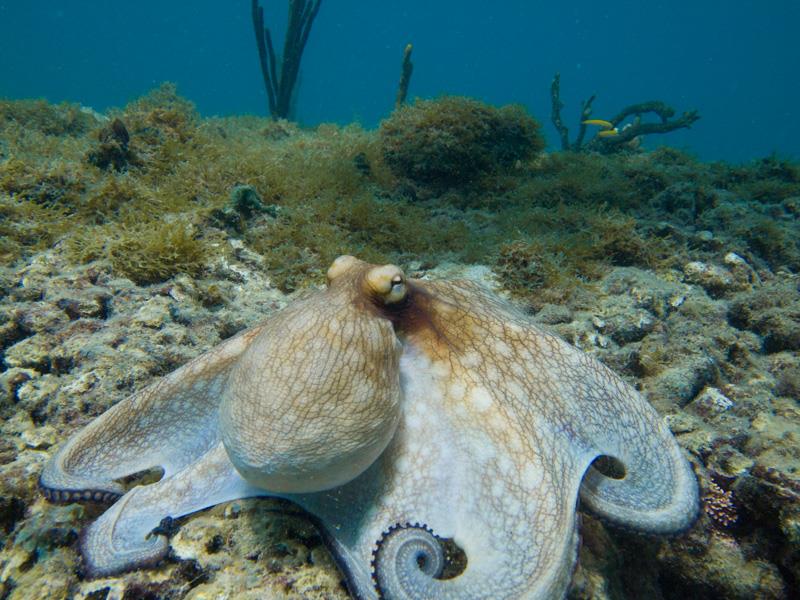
[679, 275]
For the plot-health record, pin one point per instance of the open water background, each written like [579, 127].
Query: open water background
[737, 62]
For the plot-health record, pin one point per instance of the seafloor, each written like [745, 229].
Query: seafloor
[134, 241]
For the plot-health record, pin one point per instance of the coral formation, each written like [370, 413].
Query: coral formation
[614, 137]
[406, 69]
[719, 505]
[280, 81]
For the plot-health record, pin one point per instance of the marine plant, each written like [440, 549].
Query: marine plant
[333, 190]
[613, 137]
[406, 69]
[565, 248]
[49, 119]
[146, 254]
[297, 245]
[280, 82]
[453, 141]
[766, 180]
[26, 225]
[112, 151]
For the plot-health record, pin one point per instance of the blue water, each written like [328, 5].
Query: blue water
[736, 61]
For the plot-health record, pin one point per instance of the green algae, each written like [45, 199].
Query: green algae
[566, 249]
[57, 120]
[149, 253]
[285, 201]
[452, 141]
[304, 239]
[340, 189]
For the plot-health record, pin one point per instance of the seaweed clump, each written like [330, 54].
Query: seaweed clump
[147, 254]
[49, 119]
[454, 141]
[244, 204]
[113, 151]
[568, 248]
[299, 197]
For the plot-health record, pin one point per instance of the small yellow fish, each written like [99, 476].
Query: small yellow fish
[608, 132]
[600, 122]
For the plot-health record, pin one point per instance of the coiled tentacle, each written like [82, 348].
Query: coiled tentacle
[405, 555]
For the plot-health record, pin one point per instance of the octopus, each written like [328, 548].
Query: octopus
[415, 420]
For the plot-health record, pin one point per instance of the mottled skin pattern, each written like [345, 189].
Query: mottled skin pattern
[395, 411]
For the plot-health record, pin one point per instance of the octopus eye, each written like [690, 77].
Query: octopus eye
[397, 291]
[386, 283]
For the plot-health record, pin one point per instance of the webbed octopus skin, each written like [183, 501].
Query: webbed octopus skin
[399, 413]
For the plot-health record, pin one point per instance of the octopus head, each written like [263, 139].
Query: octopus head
[315, 399]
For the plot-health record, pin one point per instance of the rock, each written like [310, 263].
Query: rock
[40, 437]
[785, 367]
[710, 402]
[731, 463]
[31, 353]
[554, 314]
[42, 317]
[12, 510]
[713, 279]
[772, 311]
[643, 289]
[10, 329]
[35, 395]
[681, 422]
[682, 382]
[627, 328]
[93, 303]
[741, 270]
[721, 568]
[154, 314]
[782, 331]
[10, 381]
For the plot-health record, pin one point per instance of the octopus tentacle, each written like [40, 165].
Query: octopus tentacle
[511, 513]
[516, 546]
[403, 555]
[167, 424]
[546, 380]
[381, 401]
[123, 536]
[657, 491]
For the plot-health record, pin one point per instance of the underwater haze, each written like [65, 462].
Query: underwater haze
[735, 62]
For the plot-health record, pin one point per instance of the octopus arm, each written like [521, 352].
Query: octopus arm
[444, 477]
[516, 545]
[644, 480]
[124, 538]
[543, 379]
[167, 424]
